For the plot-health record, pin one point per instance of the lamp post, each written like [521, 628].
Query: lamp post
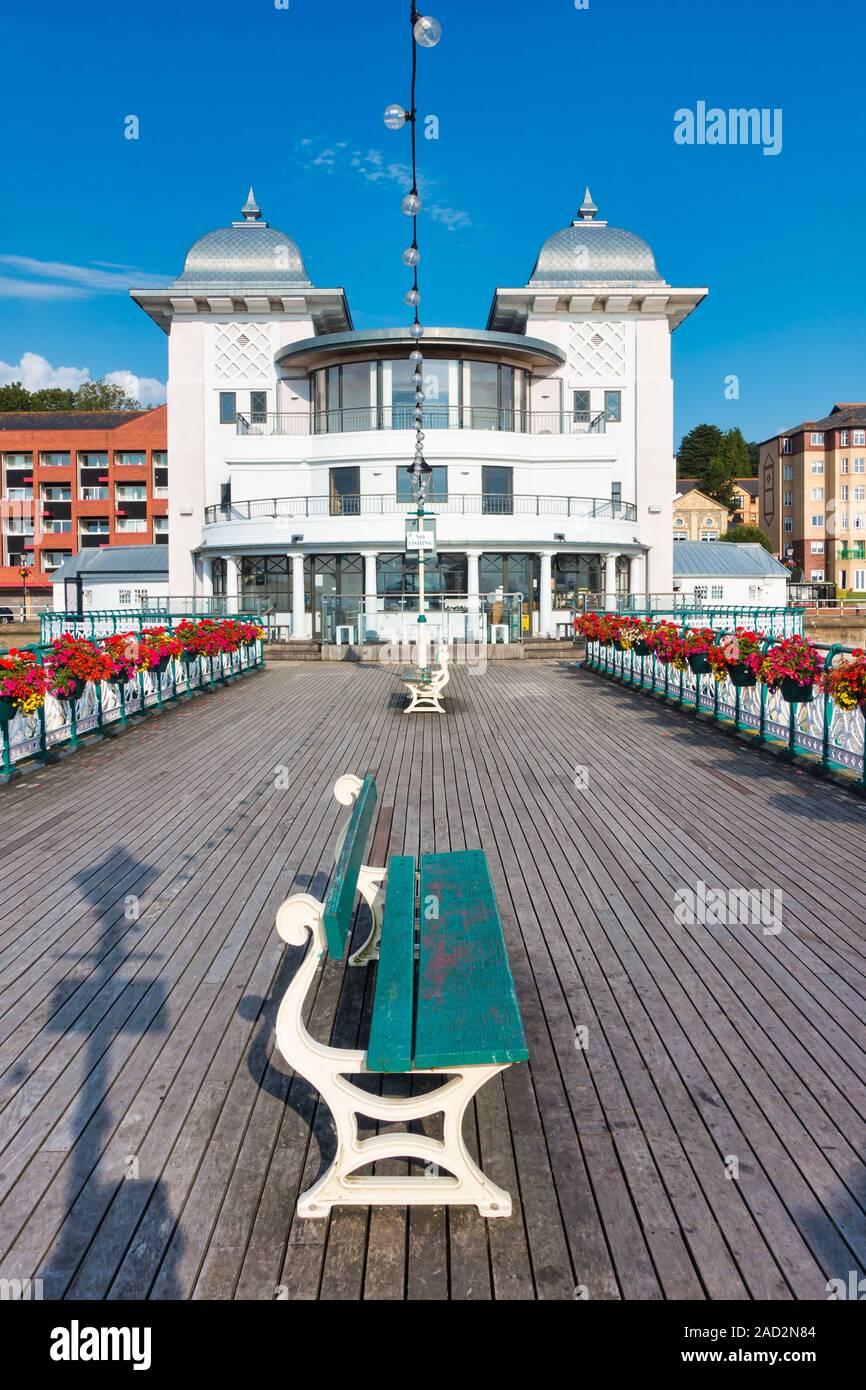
[25, 573]
[420, 473]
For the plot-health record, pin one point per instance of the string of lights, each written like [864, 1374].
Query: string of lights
[426, 33]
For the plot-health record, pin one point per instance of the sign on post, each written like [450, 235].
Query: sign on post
[421, 537]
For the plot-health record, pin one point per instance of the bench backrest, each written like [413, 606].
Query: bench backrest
[340, 902]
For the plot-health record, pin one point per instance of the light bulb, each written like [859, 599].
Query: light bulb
[427, 31]
[416, 331]
[417, 378]
[420, 397]
[395, 116]
[411, 256]
[412, 297]
[417, 356]
[412, 205]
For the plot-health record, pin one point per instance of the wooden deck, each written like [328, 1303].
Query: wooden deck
[152, 1145]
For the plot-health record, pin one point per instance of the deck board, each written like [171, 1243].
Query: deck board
[153, 1143]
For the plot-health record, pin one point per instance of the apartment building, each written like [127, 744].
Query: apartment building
[748, 512]
[72, 480]
[812, 489]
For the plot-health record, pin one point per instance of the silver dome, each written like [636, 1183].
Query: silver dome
[592, 253]
[246, 255]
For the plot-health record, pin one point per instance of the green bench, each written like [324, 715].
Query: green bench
[444, 1004]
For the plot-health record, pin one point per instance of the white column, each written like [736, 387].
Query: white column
[299, 621]
[474, 623]
[371, 603]
[206, 577]
[637, 580]
[545, 595]
[610, 581]
[231, 584]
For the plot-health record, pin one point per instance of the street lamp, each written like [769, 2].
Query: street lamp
[25, 572]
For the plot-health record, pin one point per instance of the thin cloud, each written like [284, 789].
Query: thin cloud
[36, 373]
[10, 288]
[370, 165]
[93, 279]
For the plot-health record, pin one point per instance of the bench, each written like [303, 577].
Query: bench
[444, 1005]
[426, 687]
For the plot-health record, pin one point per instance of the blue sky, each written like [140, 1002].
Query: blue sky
[534, 101]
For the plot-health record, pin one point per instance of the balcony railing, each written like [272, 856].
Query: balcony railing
[461, 504]
[436, 417]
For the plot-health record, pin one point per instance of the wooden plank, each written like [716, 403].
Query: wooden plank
[467, 1005]
[391, 1026]
[340, 903]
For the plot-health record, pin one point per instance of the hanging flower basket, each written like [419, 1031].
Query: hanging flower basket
[846, 683]
[792, 667]
[8, 709]
[24, 683]
[697, 644]
[796, 692]
[741, 675]
[699, 663]
[642, 648]
[72, 662]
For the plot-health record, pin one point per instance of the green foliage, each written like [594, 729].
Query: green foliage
[696, 450]
[747, 535]
[714, 458]
[91, 395]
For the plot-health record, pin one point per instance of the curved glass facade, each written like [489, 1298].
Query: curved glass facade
[460, 394]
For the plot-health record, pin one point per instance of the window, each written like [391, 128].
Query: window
[94, 526]
[131, 492]
[18, 460]
[817, 465]
[717, 591]
[345, 491]
[437, 488]
[680, 521]
[142, 598]
[858, 521]
[616, 497]
[817, 548]
[788, 472]
[55, 459]
[789, 498]
[497, 498]
[700, 593]
[613, 405]
[582, 413]
[228, 408]
[843, 465]
[124, 596]
[94, 494]
[859, 437]
[680, 536]
[131, 523]
[860, 580]
[258, 407]
[860, 465]
[817, 494]
[817, 576]
[843, 521]
[159, 458]
[20, 494]
[97, 459]
[709, 521]
[160, 525]
[843, 492]
[817, 437]
[130, 458]
[859, 493]
[786, 446]
[817, 519]
[708, 536]
[843, 437]
[789, 523]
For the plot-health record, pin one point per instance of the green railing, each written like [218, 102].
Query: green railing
[104, 708]
[105, 622]
[775, 622]
[817, 733]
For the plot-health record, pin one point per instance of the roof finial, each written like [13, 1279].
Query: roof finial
[251, 209]
[588, 208]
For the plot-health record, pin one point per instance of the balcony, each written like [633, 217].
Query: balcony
[436, 417]
[460, 504]
[851, 553]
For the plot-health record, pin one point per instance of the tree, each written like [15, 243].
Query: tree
[717, 482]
[52, 398]
[100, 395]
[697, 448]
[747, 535]
[14, 397]
[754, 458]
[735, 452]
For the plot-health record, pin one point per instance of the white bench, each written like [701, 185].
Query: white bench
[444, 1005]
[426, 689]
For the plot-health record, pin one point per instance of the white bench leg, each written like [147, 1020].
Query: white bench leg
[327, 1068]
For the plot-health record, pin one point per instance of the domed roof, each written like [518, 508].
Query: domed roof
[590, 252]
[246, 255]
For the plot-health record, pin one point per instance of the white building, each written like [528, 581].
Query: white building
[105, 578]
[726, 573]
[289, 433]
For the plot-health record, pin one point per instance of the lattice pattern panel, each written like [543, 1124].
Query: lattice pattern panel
[596, 350]
[243, 352]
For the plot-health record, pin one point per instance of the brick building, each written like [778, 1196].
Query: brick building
[71, 480]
